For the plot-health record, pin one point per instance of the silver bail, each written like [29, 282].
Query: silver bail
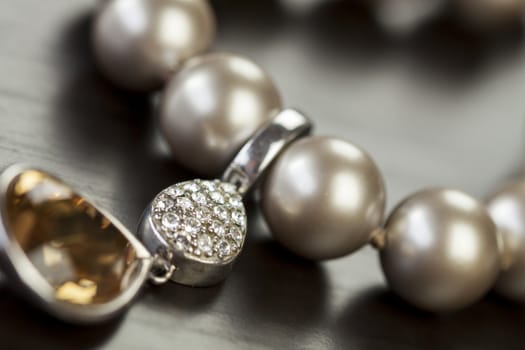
[196, 229]
[259, 152]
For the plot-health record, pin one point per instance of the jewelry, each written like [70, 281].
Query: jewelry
[197, 228]
[81, 265]
[322, 198]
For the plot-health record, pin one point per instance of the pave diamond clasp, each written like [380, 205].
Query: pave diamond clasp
[197, 228]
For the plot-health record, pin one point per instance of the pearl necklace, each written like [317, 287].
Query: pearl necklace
[322, 197]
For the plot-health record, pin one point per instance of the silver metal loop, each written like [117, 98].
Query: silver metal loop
[259, 152]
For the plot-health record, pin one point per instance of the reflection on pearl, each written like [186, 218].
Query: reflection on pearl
[462, 245]
[346, 190]
[421, 236]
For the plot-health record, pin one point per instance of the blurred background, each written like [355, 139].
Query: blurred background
[432, 89]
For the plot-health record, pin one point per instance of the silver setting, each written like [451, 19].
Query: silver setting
[161, 270]
[199, 226]
[258, 153]
[25, 279]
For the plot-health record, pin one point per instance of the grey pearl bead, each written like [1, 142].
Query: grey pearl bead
[212, 107]
[323, 198]
[507, 208]
[139, 44]
[441, 250]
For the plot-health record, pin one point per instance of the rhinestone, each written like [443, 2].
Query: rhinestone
[210, 186]
[238, 217]
[169, 203]
[221, 212]
[203, 213]
[218, 228]
[198, 197]
[205, 243]
[224, 248]
[236, 201]
[175, 191]
[228, 188]
[191, 186]
[192, 226]
[234, 246]
[165, 204]
[235, 233]
[170, 221]
[184, 203]
[160, 205]
[217, 197]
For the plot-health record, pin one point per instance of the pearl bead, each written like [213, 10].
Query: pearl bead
[212, 107]
[139, 44]
[441, 250]
[507, 208]
[323, 198]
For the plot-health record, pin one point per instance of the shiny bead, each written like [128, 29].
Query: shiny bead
[441, 250]
[139, 44]
[212, 107]
[323, 198]
[507, 208]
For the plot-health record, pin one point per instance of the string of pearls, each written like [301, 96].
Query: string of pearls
[324, 197]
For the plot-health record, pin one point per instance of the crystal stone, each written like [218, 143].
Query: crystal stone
[217, 197]
[212, 219]
[170, 221]
[199, 197]
[205, 243]
[235, 233]
[224, 248]
[239, 217]
[221, 212]
[77, 250]
[235, 201]
[217, 227]
[203, 213]
[184, 203]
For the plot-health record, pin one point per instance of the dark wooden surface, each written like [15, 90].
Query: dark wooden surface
[438, 107]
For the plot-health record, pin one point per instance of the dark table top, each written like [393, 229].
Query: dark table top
[440, 106]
